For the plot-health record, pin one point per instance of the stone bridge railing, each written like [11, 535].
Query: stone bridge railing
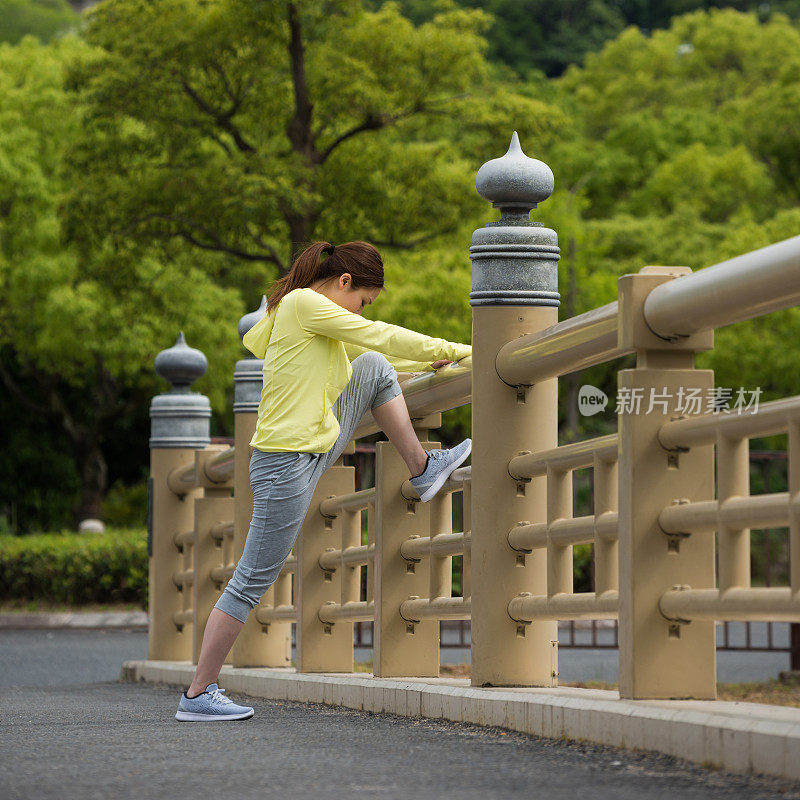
[657, 504]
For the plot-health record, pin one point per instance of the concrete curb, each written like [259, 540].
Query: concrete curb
[68, 619]
[740, 737]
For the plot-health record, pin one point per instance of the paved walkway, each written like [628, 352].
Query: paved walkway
[86, 737]
[121, 741]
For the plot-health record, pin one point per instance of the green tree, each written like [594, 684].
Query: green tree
[691, 144]
[43, 19]
[532, 35]
[79, 325]
[247, 129]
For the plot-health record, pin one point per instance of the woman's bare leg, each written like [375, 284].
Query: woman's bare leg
[220, 634]
[393, 418]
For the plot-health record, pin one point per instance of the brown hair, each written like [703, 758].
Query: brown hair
[360, 259]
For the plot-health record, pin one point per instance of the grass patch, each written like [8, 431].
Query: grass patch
[772, 692]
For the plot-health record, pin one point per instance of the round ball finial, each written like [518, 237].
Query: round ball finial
[181, 365]
[515, 180]
[251, 318]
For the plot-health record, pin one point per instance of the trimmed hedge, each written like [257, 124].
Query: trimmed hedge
[75, 568]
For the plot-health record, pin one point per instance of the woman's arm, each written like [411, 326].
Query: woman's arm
[400, 364]
[317, 314]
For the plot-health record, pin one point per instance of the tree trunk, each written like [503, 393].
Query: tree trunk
[299, 232]
[93, 472]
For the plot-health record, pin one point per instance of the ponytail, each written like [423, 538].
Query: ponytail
[359, 259]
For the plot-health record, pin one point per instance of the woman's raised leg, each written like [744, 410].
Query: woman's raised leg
[373, 386]
[395, 422]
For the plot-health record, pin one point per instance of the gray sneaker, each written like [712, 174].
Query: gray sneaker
[441, 463]
[211, 706]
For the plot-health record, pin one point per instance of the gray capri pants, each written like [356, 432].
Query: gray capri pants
[283, 484]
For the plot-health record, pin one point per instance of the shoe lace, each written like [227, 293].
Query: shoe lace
[217, 696]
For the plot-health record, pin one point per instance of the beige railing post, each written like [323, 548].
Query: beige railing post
[441, 567]
[179, 426]
[323, 646]
[606, 551]
[401, 647]
[214, 507]
[659, 658]
[257, 645]
[515, 291]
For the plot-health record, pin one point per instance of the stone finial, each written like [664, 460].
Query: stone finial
[181, 365]
[515, 180]
[251, 318]
[180, 417]
[247, 376]
[514, 260]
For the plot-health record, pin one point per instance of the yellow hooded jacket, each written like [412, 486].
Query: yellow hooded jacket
[307, 342]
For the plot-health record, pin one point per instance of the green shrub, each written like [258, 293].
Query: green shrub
[74, 568]
[125, 506]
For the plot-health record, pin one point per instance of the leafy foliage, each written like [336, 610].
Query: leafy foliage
[533, 35]
[43, 19]
[157, 175]
[110, 567]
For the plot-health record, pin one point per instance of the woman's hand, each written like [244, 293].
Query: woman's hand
[441, 363]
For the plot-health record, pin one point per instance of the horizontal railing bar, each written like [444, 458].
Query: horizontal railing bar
[290, 565]
[429, 392]
[182, 480]
[528, 536]
[443, 544]
[763, 604]
[185, 617]
[355, 501]
[285, 613]
[220, 530]
[577, 455]
[183, 578]
[352, 556]
[584, 605]
[180, 538]
[220, 468]
[419, 608]
[354, 611]
[758, 511]
[455, 483]
[740, 288]
[221, 574]
[573, 344]
[773, 417]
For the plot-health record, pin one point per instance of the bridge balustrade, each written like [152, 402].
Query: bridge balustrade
[655, 512]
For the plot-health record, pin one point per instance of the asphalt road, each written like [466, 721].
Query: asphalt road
[50, 658]
[120, 741]
[68, 731]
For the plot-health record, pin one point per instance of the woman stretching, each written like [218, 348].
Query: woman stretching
[312, 400]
